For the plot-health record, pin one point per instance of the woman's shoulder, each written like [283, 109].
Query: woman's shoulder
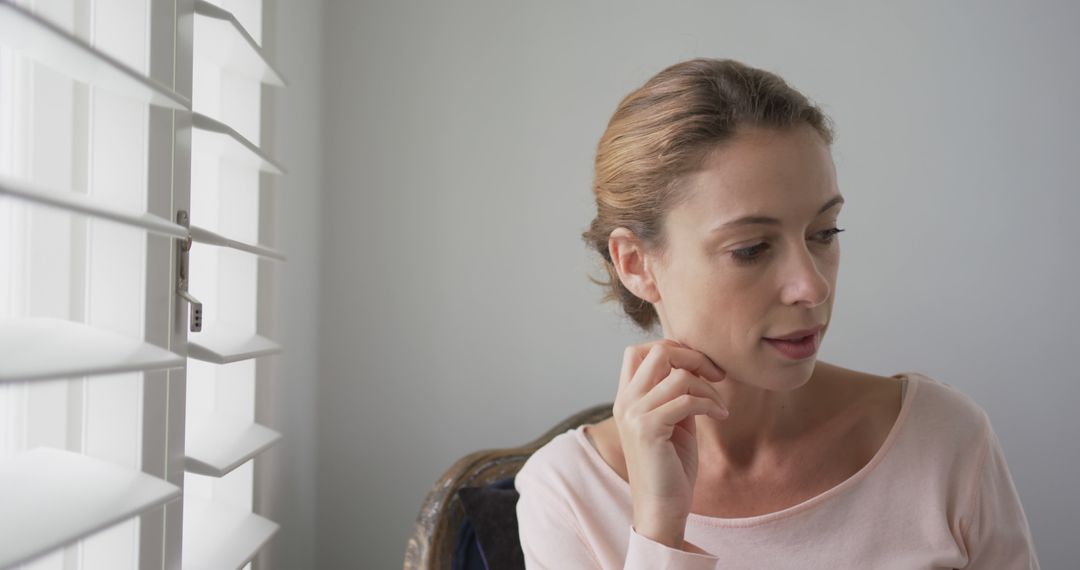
[559, 462]
[931, 409]
[924, 394]
[944, 425]
[942, 400]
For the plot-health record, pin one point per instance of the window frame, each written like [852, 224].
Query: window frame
[163, 420]
[171, 37]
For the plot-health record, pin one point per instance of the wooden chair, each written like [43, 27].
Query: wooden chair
[431, 545]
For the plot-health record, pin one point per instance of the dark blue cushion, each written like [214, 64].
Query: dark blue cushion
[488, 536]
[467, 555]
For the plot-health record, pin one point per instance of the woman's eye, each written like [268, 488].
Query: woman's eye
[829, 234]
[749, 255]
[753, 254]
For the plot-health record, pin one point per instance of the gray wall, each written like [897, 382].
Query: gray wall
[287, 389]
[458, 141]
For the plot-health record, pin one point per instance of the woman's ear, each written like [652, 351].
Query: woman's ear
[634, 266]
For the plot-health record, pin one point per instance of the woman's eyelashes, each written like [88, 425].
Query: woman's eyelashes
[755, 253]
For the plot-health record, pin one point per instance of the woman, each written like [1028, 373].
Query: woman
[731, 446]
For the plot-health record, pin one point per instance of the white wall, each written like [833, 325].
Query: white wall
[457, 153]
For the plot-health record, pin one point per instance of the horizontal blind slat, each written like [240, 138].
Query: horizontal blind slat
[220, 37]
[201, 235]
[87, 205]
[219, 536]
[54, 497]
[47, 43]
[41, 348]
[214, 136]
[220, 343]
[217, 444]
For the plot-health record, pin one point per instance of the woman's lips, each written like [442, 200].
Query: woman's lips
[798, 335]
[797, 350]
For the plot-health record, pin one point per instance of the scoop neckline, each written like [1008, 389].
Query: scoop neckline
[741, 522]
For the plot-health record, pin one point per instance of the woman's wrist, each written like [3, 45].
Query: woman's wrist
[668, 539]
[667, 531]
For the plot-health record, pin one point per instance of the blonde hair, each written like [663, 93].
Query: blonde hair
[661, 132]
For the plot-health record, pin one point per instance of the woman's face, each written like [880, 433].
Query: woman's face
[724, 285]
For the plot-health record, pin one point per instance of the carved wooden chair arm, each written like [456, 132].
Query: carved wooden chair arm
[431, 545]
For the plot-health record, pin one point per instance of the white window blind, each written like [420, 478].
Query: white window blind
[130, 185]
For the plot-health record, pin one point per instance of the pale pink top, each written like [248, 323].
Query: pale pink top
[938, 494]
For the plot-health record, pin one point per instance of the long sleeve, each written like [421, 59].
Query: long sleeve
[552, 539]
[998, 536]
[643, 552]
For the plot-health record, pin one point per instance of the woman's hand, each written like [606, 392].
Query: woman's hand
[662, 387]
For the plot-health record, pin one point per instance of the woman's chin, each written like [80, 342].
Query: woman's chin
[769, 376]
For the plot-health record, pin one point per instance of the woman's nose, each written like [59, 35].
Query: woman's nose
[804, 280]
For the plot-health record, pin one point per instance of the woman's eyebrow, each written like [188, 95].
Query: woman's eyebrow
[749, 220]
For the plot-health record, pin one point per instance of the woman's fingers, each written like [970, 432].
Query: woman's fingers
[677, 383]
[660, 421]
[632, 357]
[658, 372]
[659, 360]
